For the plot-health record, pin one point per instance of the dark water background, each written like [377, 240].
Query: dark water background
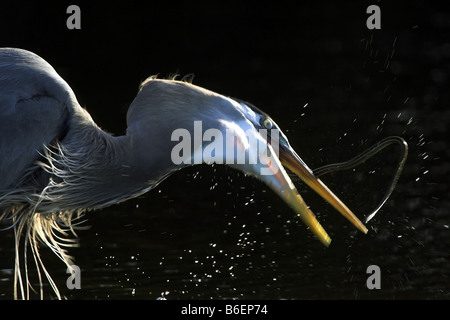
[332, 85]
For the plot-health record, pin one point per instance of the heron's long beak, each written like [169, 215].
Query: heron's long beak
[294, 163]
[278, 180]
[270, 170]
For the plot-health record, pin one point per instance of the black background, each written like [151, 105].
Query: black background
[333, 86]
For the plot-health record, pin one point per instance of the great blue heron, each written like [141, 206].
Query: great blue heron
[56, 162]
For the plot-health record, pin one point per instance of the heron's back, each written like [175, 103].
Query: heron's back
[33, 111]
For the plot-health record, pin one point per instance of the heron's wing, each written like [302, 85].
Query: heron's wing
[32, 112]
[33, 124]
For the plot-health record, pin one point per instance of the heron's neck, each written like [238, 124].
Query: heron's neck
[93, 169]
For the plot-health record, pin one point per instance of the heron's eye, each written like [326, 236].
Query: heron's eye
[268, 124]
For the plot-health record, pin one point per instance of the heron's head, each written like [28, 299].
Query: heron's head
[192, 125]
